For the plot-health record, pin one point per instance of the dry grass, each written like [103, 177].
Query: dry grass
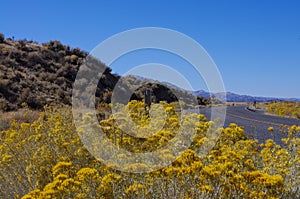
[22, 115]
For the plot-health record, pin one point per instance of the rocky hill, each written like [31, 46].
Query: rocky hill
[41, 74]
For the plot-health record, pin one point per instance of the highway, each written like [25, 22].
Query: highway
[254, 122]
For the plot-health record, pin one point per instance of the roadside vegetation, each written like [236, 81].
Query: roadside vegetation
[287, 109]
[46, 159]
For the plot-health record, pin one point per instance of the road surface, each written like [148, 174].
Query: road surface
[255, 122]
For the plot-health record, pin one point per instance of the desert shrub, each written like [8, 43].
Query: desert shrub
[46, 159]
[34, 58]
[55, 46]
[73, 59]
[21, 43]
[35, 102]
[5, 50]
[3, 103]
[59, 80]
[78, 52]
[288, 109]
[15, 55]
[24, 95]
[62, 53]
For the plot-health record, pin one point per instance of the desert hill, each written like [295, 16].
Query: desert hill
[41, 74]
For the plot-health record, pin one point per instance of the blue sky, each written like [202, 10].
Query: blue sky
[255, 44]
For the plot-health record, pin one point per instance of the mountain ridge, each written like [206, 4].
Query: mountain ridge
[233, 97]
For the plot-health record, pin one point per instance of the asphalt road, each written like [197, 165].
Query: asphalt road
[255, 122]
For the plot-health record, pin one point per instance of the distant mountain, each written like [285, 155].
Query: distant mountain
[202, 93]
[233, 97]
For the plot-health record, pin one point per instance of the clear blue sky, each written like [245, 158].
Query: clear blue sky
[255, 44]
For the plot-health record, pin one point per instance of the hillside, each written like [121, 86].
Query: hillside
[41, 74]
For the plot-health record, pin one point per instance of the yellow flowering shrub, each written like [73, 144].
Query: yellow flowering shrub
[289, 109]
[46, 159]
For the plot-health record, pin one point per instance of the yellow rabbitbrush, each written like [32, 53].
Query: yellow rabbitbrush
[287, 109]
[46, 159]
